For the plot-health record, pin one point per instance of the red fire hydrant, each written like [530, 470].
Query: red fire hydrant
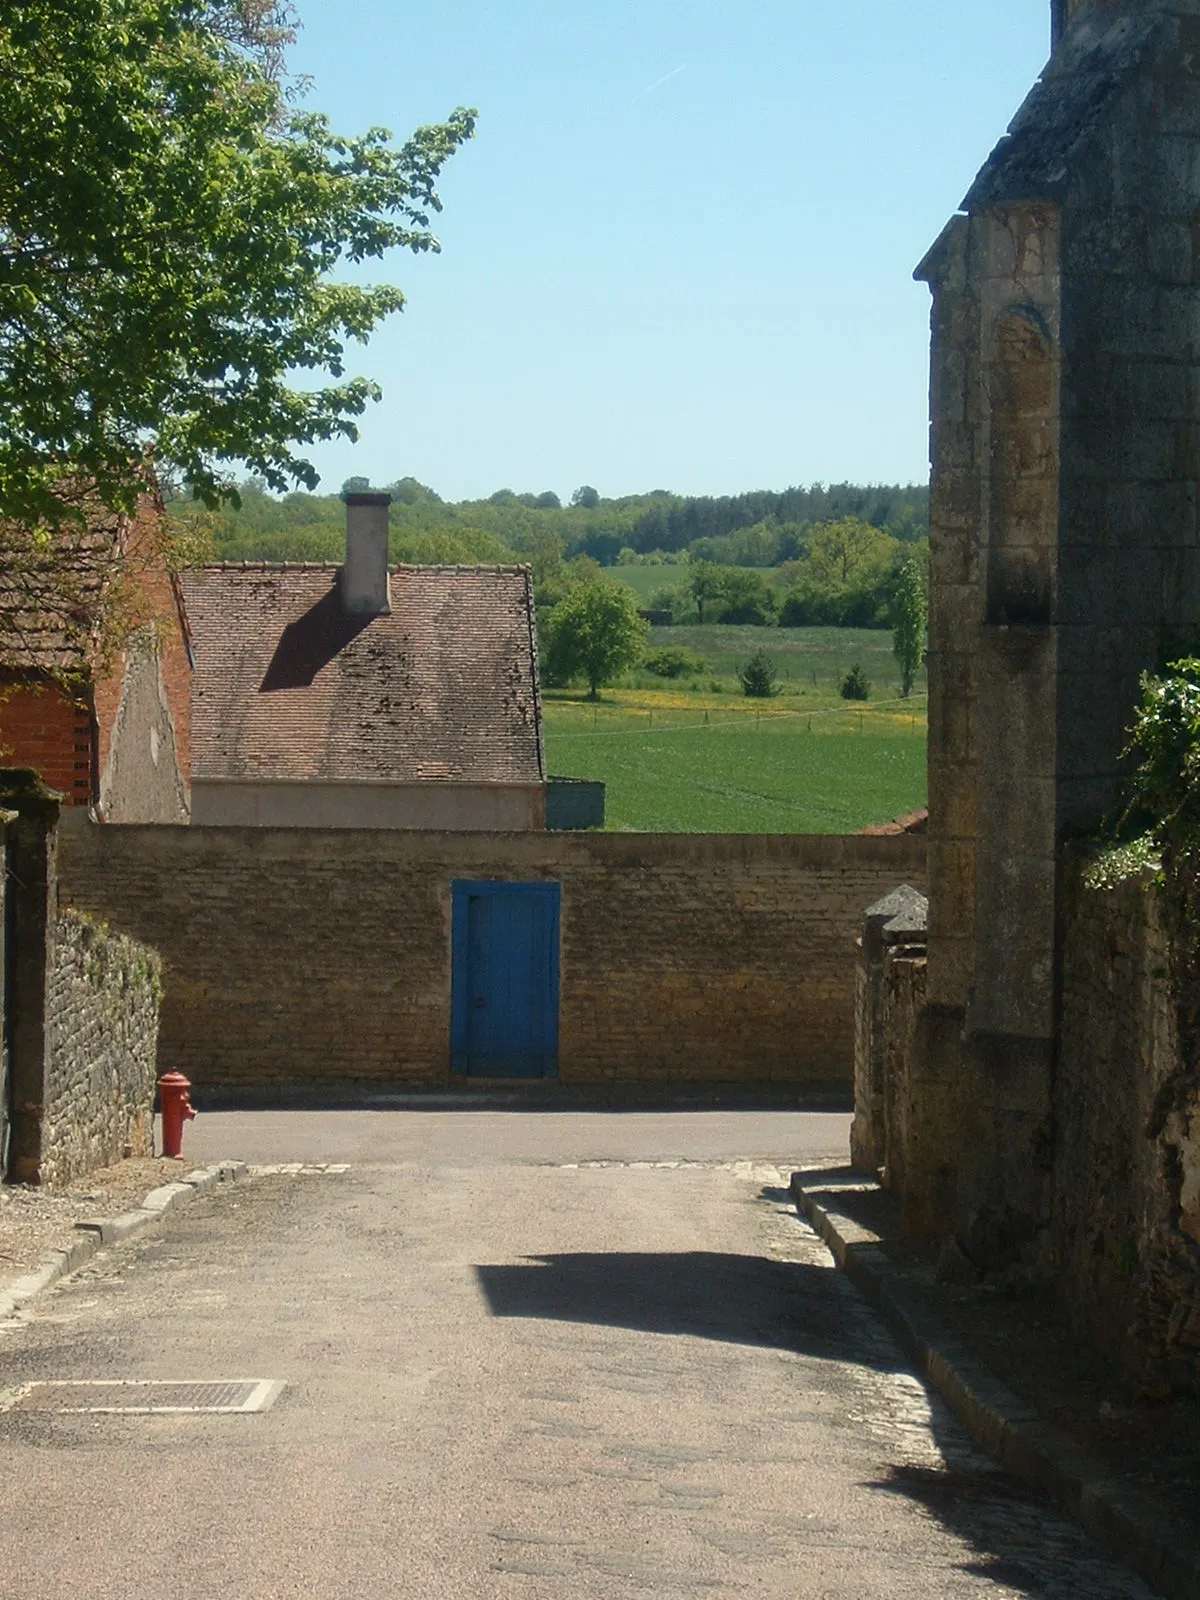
[176, 1110]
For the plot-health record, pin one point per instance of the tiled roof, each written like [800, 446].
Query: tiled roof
[287, 686]
[913, 822]
[52, 594]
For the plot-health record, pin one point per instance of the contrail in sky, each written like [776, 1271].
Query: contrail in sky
[659, 84]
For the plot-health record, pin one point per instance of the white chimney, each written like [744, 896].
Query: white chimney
[365, 573]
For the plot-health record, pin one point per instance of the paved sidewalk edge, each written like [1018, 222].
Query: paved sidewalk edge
[1127, 1523]
[93, 1236]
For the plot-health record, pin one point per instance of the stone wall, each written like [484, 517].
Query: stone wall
[102, 996]
[296, 958]
[899, 920]
[903, 1097]
[1064, 553]
[1126, 1216]
[906, 1104]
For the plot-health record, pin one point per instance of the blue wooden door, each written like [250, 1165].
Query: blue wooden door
[505, 980]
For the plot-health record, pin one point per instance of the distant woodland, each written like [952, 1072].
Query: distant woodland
[827, 554]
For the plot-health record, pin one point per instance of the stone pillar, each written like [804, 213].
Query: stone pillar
[31, 914]
[900, 918]
[994, 729]
[7, 818]
[904, 975]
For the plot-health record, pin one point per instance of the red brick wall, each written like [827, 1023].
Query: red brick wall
[43, 727]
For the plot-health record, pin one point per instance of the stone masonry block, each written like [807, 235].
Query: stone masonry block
[703, 958]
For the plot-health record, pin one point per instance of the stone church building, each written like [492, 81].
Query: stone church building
[1066, 562]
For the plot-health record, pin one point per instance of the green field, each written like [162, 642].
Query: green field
[645, 580]
[810, 661]
[783, 768]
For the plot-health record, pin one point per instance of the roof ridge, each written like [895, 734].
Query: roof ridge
[460, 566]
[267, 566]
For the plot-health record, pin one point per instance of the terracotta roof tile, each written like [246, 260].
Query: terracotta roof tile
[913, 822]
[288, 686]
[52, 595]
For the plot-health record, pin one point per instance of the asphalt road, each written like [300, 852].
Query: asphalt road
[517, 1135]
[523, 1359]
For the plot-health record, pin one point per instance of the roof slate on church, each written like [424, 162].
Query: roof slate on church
[288, 686]
[1066, 108]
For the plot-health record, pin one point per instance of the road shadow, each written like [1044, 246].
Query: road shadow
[1011, 1537]
[732, 1299]
[1020, 1541]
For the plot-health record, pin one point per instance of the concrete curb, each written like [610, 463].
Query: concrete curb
[98, 1234]
[1125, 1521]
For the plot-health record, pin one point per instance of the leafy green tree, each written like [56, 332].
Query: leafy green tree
[849, 554]
[169, 224]
[909, 618]
[746, 599]
[412, 492]
[707, 584]
[586, 497]
[845, 577]
[595, 633]
[758, 677]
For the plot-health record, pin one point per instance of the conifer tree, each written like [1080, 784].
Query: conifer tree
[909, 620]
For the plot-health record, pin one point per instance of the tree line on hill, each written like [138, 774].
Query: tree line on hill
[823, 555]
[842, 574]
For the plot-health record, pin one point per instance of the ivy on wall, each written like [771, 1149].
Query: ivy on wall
[1160, 824]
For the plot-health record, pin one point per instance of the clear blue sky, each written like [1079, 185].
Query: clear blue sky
[679, 252]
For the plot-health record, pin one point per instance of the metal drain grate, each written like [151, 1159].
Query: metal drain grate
[147, 1397]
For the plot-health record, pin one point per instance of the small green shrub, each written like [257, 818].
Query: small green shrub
[856, 685]
[675, 661]
[758, 677]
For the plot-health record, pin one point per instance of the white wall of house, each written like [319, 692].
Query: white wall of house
[428, 804]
